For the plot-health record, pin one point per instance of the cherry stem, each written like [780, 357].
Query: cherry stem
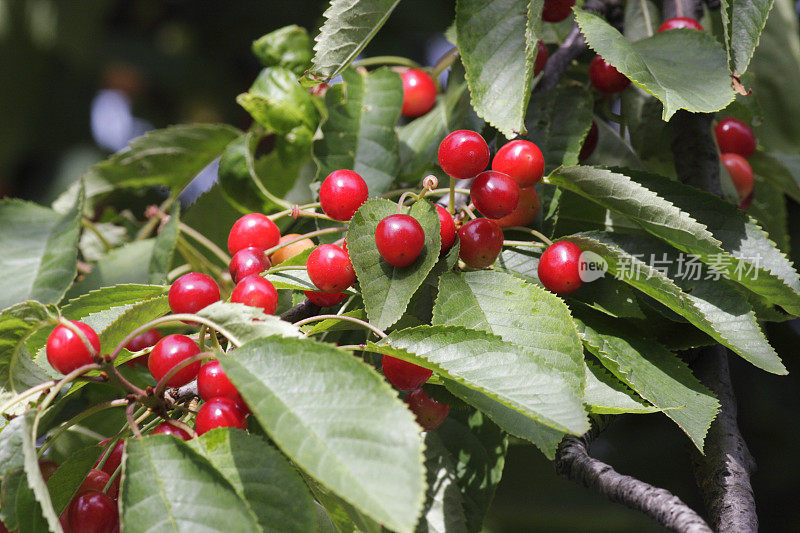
[153, 223]
[434, 191]
[451, 201]
[293, 209]
[115, 376]
[402, 200]
[445, 61]
[201, 341]
[77, 418]
[199, 237]
[81, 335]
[524, 243]
[26, 393]
[386, 60]
[308, 235]
[346, 318]
[162, 383]
[533, 232]
[88, 224]
[173, 274]
[111, 479]
[468, 210]
[131, 422]
[280, 268]
[183, 425]
[63, 381]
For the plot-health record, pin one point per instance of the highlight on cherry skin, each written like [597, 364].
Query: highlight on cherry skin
[329, 268]
[735, 137]
[419, 92]
[246, 262]
[494, 194]
[677, 23]
[192, 292]
[342, 193]
[559, 267]
[522, 160]
[168, 353]
[463, 154]
[66, 351]
[399, 239]
[253, 230]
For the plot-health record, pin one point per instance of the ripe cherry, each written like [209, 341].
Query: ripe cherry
[65, 349]
[559, 267]
[463, 154]
[522, 160]
[419, 92]
[97, 480]
[447, 228]
[494, 194]
[556, 10]
[605, 78]
[430, 413]
[145, 340]
[678, 23]
[192, 292]
[741, 173]
[213, 383]
[342, 193]
[589, 143]
[329, 268]
[219, 413]
[481, 241]
[114, 457]
[256, 291]
[253, 230]
[167, 428]
[735, 137]
[542, 55]
[290, 250]
[169, 352]
[47, 468]
[403, 375]
[93, 512]
[526, 211]
[400, 239]
[247, 262]
[325, 299]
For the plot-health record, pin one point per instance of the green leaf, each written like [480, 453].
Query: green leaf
[41, 495]
[387, 290]
[605, 394]
[349, 26]
[359, 133]
[167, 486]
[769, 209]
[743, 22]
[11, 457]
[359, 441]
[782, 170]
[650, 64]
[498, 40]
[40, 251]
[171, 157]
[164, 247]
[613, 150]
[288, 47]
[29, 514]
[641, 19]
[271, 488]
[69, 475]
[279, 103]
[443, 509]
[9, 489]
[242, 323]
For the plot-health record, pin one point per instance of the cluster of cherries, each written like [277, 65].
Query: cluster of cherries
[737, 143]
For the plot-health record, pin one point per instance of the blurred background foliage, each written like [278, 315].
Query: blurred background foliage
[81, 78]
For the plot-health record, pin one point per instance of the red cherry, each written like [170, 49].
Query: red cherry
[522, 160]
[589, 143]
[559, 267]
[744, 204]
[329, 268]
[404, 375]
[481, 241]
[447, 228]
[167, 428]
[525, 212]
[430, 413]
[741, 173]
[246, 262]
[400, 239]
[93, 512]
[678, 23]
[192, 292]
[606, 78]
[253, 230]
[114, 458]
[419, 92]
[66, 350]
[47, 468]
[556, 10]
[256, 291]
[213, 383]
[735, 137]
[325, 299]
[219, 413]
[342, 193]
[494, 194]
[140, 342]
[97, 480]
[170, 351]
[463, 154]
[542, 55]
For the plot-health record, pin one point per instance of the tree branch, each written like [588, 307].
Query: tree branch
[304, 309]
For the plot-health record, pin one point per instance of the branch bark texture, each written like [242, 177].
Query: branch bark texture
[304, 309]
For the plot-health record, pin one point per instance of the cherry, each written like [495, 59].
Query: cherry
[169, 352]
[213, 383]
[114, 458]
[166, 428]
[430, 413]
[526, 211]
[735, 137]
[66, 350]
[744, 204]
[219, 413]
[342, 193]
[253, 230]
[419, 92]
[291, 250]
[605, 77]
[192, 292]
[47, 468]
[247, 262]
[144, 340]
[325, 299]
[404, 375]
[481, 241]
[4, 529]
[494, 194]
[556, 10]
[463, 154]
[559, 267]
[678, 23]
[522, 160]
[741, 173]
[589, 143]
[96, 480]
[329, 268]
[447, 228]
[400, 239]
[256, 291]
[93, 512]
[542, 55]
